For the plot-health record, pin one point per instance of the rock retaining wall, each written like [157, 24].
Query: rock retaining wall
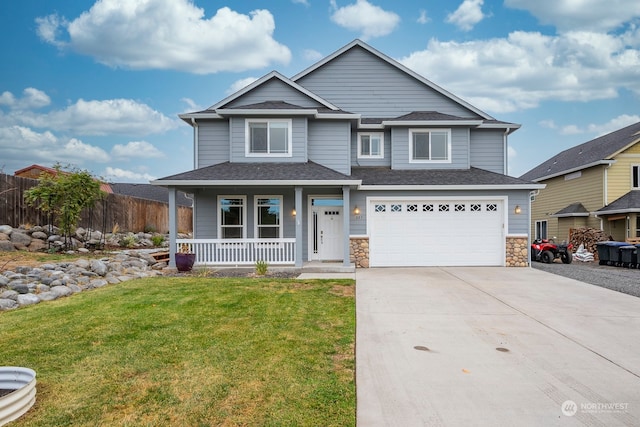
[359, 251]
[517, 251]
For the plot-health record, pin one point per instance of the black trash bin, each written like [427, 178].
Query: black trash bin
[614, 253]
[628, 256]
[603, 252]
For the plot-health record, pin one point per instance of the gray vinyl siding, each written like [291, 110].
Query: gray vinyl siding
[274, 90]
[517, 224]
[299, 143]
[206, 210]
[358, 81]
[329, 144]
[400, 150]
[487, 150]
[385, 161]
[213, 142]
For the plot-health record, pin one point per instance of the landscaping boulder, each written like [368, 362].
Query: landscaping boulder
[19, 238]
[6, 245]
[6, 229]
[28, 299]
[7, 304]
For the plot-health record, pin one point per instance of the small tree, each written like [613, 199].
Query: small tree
[65, 193]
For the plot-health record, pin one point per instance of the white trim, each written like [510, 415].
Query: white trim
[535, 228]
[615, 211]
[310, 198]
[429, 131]
[256, 183]
[637, 176]
[380, 148]
[244, 214]
[431, 122]
[188, 116]
[266, 112]
[452, 187]
[256, 215]
[268, 121]
[517, 236]
[510, 127]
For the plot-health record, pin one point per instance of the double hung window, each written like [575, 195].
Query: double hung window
[232, 217]
[371, 145]
[268, 221]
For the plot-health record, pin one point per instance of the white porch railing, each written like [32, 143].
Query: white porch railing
[240, 251]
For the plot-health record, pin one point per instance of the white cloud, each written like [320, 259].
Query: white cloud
[468, 14]
[571, 130]
[117, 174]
[45, 147]
[168, 34]
[549, 124]
[193, 106]
[304, 2]
[614, 124]
[423, 18]
[527, 68]
[240, 84]
[135, 150]
[311, 55]
[590, 15]
[371, 21]
[113, 116]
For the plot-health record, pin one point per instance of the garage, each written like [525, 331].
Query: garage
[436, 232]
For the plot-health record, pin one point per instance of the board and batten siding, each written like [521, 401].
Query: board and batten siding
[298, 146]
[400, 150]
[329, 144]
[274, 90]
[361, 82]
[487, 149]
[517, 223]
[562, 191]
[213, 142]
[619, 178]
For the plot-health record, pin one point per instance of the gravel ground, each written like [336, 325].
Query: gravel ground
[616, 278]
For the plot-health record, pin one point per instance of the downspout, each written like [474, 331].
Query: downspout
[195, 142]
[505, 150]
[532, 194]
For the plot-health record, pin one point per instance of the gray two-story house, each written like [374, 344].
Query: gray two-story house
[356, 159]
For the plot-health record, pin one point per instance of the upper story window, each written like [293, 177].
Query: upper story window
[232, 219]
[265, 137]
[371, 145]
[635, 176]
[429, 145]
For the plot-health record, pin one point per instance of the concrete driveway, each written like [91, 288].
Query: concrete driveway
[494, 346]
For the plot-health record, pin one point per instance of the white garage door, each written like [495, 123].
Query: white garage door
[435, 232]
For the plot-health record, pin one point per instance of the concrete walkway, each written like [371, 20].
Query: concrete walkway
[494, 346]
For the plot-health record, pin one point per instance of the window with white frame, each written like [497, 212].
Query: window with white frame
[232, 217]
[268, 218]
[541, 229]
[429, 145]
[267, 137]
[371, 145]
[635, 176]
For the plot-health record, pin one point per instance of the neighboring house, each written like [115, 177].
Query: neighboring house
[149, 192]
[356, 159]
[34, 172]
[594, 184]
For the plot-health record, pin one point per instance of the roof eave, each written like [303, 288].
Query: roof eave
[583, 214]
[258, 182]
[452, 187]
[576, 169]
[431, 122]
[266, 112]
[616, 211]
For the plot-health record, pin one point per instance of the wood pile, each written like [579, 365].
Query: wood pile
[587, 237]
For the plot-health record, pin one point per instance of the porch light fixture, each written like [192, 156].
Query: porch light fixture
[356, 211]
[517, 210]
[293, 212]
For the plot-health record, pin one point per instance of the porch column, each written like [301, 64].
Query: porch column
[173, 226]
[299, 216]
[346, 203]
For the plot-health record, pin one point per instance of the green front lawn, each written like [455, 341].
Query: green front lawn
[190, 352]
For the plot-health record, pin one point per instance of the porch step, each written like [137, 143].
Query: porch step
[327, 267]
[160, 256]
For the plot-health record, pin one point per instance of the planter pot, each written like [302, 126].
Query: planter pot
[184, 262]
[17, 392]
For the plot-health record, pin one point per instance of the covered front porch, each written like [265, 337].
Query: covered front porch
[294, 214]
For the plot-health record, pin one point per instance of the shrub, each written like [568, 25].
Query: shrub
[128, 241]
[261, 268]
[157, 239]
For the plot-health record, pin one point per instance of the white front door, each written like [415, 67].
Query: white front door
[330, 233]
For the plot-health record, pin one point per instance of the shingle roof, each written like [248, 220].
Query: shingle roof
[469, 177]
[630, 202]
[270, 105]
[574, 209]
[601, 148]
[149, 192]
[426, 116]
[281, 171]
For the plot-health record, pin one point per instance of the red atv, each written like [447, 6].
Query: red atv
[546, 251]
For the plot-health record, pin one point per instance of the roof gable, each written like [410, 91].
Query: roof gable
[359, 58]
[601, 150]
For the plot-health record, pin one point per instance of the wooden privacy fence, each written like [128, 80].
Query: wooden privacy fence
[128, 213]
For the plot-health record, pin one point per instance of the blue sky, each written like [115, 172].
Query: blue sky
[99, 84]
